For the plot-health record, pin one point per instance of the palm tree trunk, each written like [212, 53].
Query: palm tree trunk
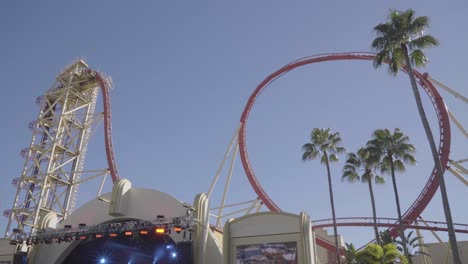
[332, 203]
[397, 201]
[435, 156]
[374, 214]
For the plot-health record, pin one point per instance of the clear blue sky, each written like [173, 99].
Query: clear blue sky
[183, 71]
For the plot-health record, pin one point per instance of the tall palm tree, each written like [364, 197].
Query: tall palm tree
[395, 151]
[325, 145]
[361, 166]
[400, 43]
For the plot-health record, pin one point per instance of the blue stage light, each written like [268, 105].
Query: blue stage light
[102, 261]
[174, 255]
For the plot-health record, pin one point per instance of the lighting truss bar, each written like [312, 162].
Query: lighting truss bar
[82, 232]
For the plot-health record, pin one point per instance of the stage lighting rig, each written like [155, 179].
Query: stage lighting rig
[161, 225]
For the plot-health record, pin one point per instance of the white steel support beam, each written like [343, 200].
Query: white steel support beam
[458, 124]
[460, 177]
[226, 186]
[55, 159]
[221, 165]
[254, 205]
[259, 206]
[426, 258]
[235, 204]
[446, 88]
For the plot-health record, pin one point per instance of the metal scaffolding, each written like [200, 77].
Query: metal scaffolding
[47, 188]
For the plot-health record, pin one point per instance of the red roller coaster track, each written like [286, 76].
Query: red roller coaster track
[443, 120]
[388, 222]
[107, 125]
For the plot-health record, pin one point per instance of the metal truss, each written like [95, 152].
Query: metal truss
[128, 228]
[53, 169]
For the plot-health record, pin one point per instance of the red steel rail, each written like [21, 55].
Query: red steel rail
[387, 222]
[107, 125]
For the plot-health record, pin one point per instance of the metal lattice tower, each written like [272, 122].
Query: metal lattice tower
[54, 161]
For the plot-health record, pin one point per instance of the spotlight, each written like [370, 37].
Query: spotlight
[174, 255]
[98, 236]
[143, 232]
[128, 233]
[67, 226]
[82, 225]
[160, 217]
[160, 230]
[102, 261]
[113, 235]
[178, 229]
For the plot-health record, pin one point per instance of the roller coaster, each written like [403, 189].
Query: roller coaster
[74, 95]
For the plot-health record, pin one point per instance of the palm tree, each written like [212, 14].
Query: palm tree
[400, 43]
[361, 166]
[325, 145]
[394, 151]
[376, 254]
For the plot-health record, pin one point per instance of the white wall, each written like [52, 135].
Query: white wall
[6, 251]
[271, 228]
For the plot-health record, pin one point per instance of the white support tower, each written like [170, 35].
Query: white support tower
[54, 161]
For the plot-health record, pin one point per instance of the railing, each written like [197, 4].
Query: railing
[388, 222]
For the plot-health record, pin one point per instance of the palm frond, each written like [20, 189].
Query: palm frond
[379, 180]
[423, 42]
[310, 152]
[385, 166]
[340, 150]
[418, 25]
[418, 58]
[379, 43]
[367, 176]
[323, 159]
[383, 29]
[408, 158]
[333, 158]
[350, 167]
[380, 58]
[399, 165]
[350, 176]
